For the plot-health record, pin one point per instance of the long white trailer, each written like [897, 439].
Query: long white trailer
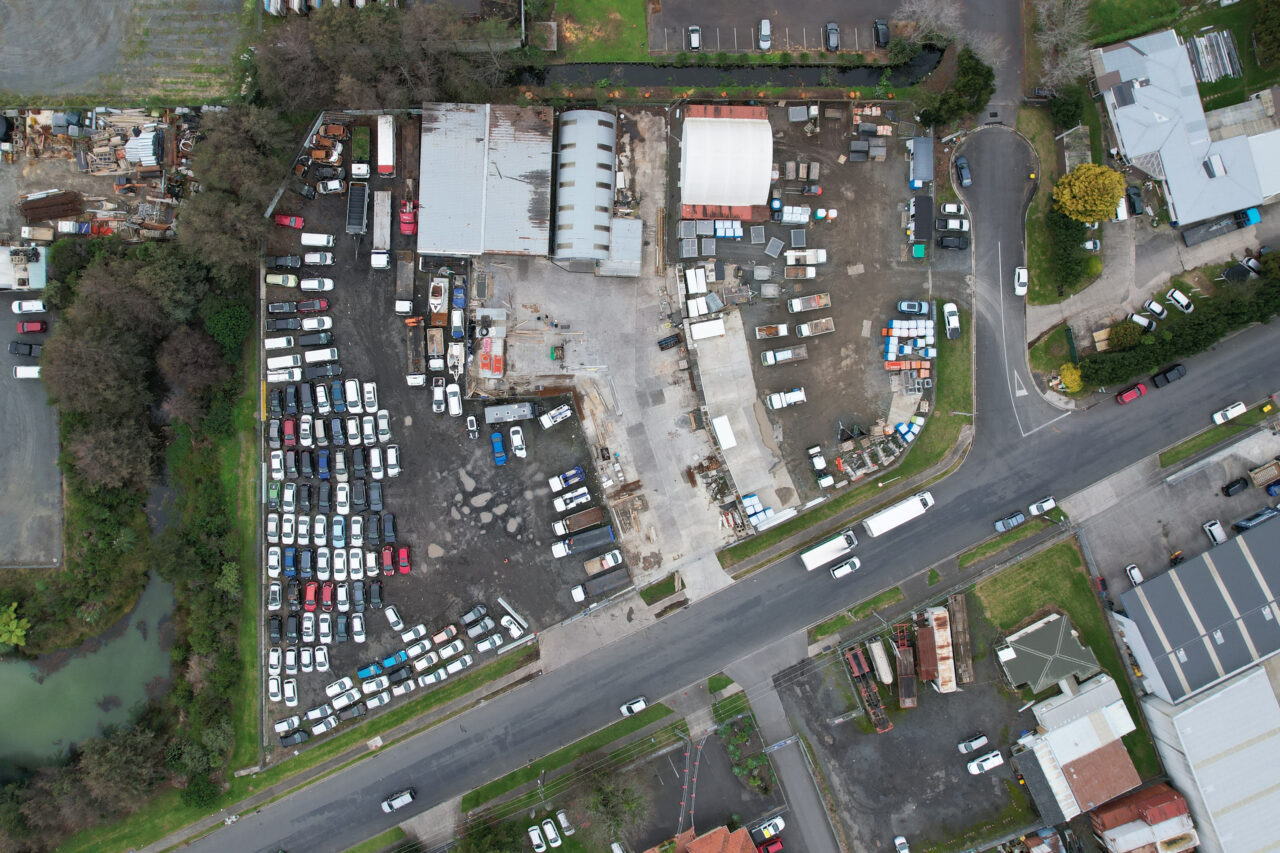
[898, 514]
[829, 551]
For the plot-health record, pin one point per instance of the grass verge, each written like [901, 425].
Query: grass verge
[833, 625]
[727, 709]
[1051, 351]
[1004, 540]
[952, 404]
[892, 595]
[1015, 815]
[718, 682]
[1211, 436]
[394, 835]
[665, 588]
[562, 756]
[1036, 125]
[239, 467]
[166, 813]
[1055, 579]
[934, 577]
[602, 31]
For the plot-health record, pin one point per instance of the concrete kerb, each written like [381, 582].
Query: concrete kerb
[304, 777]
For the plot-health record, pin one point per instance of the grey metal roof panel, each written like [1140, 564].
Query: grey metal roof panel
[451, 179]
[518, 183]
[1210, 617]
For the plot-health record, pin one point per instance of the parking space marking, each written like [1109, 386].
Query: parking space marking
[866, 328]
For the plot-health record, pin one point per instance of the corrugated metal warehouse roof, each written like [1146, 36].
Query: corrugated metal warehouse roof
[585, 168]
[1221, 750]
[484, 180]
[1205, 620]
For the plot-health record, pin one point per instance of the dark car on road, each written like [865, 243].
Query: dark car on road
[284, 262]
[321, 371]
[294, 738]
[963, 173]
[1169, 374]
[282, 308]
[275, 629]
[388, 528]
[315, 339]
[289, 324]
[953, 241]
[831, 36]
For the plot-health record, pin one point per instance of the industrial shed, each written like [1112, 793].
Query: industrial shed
[726, 159]
[586, 161]
[485, 180]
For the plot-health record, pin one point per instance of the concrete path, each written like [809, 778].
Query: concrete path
[807, 821]
[1138, 261]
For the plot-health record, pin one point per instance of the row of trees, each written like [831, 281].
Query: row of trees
[1133, 352]
[1266, 33]
[145, 360]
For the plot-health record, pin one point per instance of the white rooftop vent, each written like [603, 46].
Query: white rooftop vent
[1214, 167]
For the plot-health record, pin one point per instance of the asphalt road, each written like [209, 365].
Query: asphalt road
[1000, 162]
[1003, 471]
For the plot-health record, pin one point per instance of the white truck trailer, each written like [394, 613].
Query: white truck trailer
[380, 257]
[898, 514]
[829, 551]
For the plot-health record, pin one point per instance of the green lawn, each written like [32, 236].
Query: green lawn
[718, 682]
[393, 835]
[934, 577]
[1092, 120]
[653, 593]
[239, 458]
[954, 401]
[165, 814]
[994, 546]
[892, 595]
[1238, 18]
[1211, 436]
[1036, 125]
[731, 707]
[563, 756]
[1050, 352]
[1114, 20]
[602, 31]
[1055, 578]
[825, 629]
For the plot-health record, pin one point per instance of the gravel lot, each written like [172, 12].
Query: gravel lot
[910, 781]
[477, 532]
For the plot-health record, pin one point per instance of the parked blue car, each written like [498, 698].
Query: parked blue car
[369, 671]
[290, 562]
[398, 658]
[499, 454]
[322, 464]
[336, 399]
[338, 535]
[459, 296]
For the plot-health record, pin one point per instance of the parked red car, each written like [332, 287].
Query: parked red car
[290, 432]
[402, 558]
[326, 596]
[32, 327]
[388, 568]
[289, 221]
[313, 306]
[408, 217]
[312, 589]
[1131, 394]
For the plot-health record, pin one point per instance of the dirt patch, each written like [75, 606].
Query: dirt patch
[574, 32]
[941, 77]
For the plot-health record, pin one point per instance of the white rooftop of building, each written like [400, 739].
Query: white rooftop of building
[725, 161]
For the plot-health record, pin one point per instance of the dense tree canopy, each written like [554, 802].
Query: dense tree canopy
[1089, 192]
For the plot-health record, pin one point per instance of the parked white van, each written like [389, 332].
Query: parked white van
[284, 362]
[26, 371]
[321, 241]
[321, 356]
[281, 342]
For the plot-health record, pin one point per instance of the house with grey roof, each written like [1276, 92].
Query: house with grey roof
[1151, 98]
